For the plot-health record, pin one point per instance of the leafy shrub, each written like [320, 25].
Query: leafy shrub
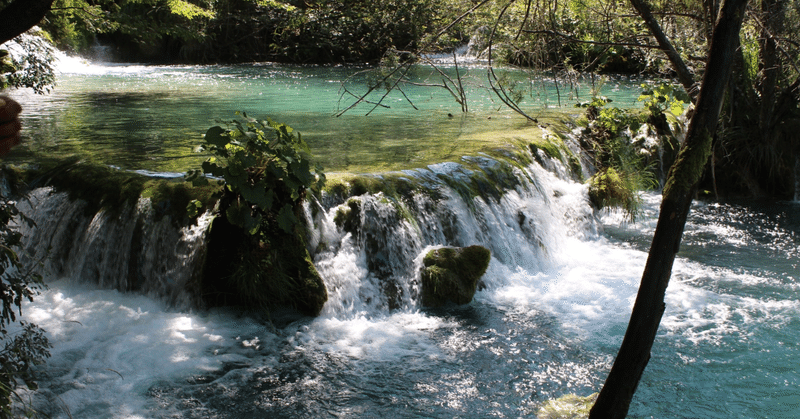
[31, 65]
[664, 98]
[27, 346]
[266, 169]
[621, 170]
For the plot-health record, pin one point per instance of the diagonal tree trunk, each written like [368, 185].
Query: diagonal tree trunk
[615, 397]
[685, 76]
[21, 15]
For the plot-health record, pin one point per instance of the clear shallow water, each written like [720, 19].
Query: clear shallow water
[153, 117]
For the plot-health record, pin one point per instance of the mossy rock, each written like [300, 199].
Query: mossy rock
[240, 270]
[348, 218]
[568, 406]
[451, 274]
[112, 190]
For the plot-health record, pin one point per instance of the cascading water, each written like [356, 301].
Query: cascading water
[522, 227]
[547, 321]
[132, 250]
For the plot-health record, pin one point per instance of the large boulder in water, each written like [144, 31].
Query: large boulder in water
[452, 274]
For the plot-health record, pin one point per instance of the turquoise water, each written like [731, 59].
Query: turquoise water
[153, 117]
[728, 348]
[558, 293]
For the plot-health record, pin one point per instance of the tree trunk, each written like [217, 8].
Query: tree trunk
[685, 76]
[615, 397]
[21, 15]
[772, 13]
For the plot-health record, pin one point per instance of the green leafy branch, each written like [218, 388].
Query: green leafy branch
[265, 167]
[664, 97]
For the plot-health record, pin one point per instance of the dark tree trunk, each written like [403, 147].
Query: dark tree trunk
[685, 76]
[21, 15]
[772, 12]
[615, 397]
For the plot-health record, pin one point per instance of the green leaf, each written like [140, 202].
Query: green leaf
[193, 208]
[287, 219]
[212, 168]
[240, 214]
[676, 108]
[294, 186]
[217, 136]
[235, 175]
[258, 194]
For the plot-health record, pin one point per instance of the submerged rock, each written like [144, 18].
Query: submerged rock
[568, 406]
[452, 274]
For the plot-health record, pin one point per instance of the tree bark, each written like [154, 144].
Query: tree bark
[685, 76]
[615, 397]
[21, 15]
[773, 13]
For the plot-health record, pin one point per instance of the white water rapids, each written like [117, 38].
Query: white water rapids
[556, 301]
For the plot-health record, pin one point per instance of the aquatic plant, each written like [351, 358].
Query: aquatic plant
[265, 169]
[622, 169]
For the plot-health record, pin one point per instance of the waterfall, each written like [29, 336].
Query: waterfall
[797, 178]
[371, 262]
[132, 250]
[367, 247]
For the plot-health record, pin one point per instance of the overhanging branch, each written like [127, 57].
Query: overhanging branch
[21, 15]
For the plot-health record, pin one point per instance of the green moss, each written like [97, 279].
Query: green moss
[348, 218]
[689, 166]
[452, 274]
[607, 188]
[568, 406]
[14, 177]
[172, 197]
[263, 273]
[336, 186]
[109, 189]
[554, 147]
[101, 187]
[549, 146]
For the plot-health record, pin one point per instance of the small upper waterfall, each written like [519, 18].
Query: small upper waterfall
[797, 179]
[371, 245]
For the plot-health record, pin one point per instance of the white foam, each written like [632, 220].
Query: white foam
[381, 338]
[109, 347]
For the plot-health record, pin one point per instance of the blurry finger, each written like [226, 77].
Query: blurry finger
[10, 129]
[9, 109]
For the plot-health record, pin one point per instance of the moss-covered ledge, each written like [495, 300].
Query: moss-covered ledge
[236, 269]
[111, 189]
